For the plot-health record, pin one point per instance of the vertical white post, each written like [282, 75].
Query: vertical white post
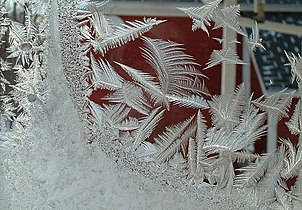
[271, 133]
[228, 74]
[246, 69]
[246, 75]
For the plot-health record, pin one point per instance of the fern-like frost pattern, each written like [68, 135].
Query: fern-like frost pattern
[201, 154]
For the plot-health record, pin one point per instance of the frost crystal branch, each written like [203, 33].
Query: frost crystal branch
[129, 122]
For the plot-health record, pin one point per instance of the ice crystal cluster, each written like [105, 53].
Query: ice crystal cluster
[54, 138]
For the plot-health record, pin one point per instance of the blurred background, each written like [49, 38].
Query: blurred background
[280, 24]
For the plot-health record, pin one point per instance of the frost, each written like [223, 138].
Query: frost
[55, 139]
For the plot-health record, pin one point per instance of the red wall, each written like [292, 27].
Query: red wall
[176, 29]
[197, 44]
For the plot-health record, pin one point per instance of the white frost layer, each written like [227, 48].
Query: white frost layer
[52, 168]
[66, 175]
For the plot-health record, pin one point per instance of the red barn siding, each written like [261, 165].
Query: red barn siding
[200, 46]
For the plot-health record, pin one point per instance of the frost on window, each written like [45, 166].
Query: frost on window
[203, 153]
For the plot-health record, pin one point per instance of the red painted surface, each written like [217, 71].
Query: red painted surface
[200, 46]
[197, 44]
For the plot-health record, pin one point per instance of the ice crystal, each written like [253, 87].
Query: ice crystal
[255, 39]
[193, 155]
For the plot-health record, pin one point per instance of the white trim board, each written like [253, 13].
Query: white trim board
[169, 9]
[159, 9]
